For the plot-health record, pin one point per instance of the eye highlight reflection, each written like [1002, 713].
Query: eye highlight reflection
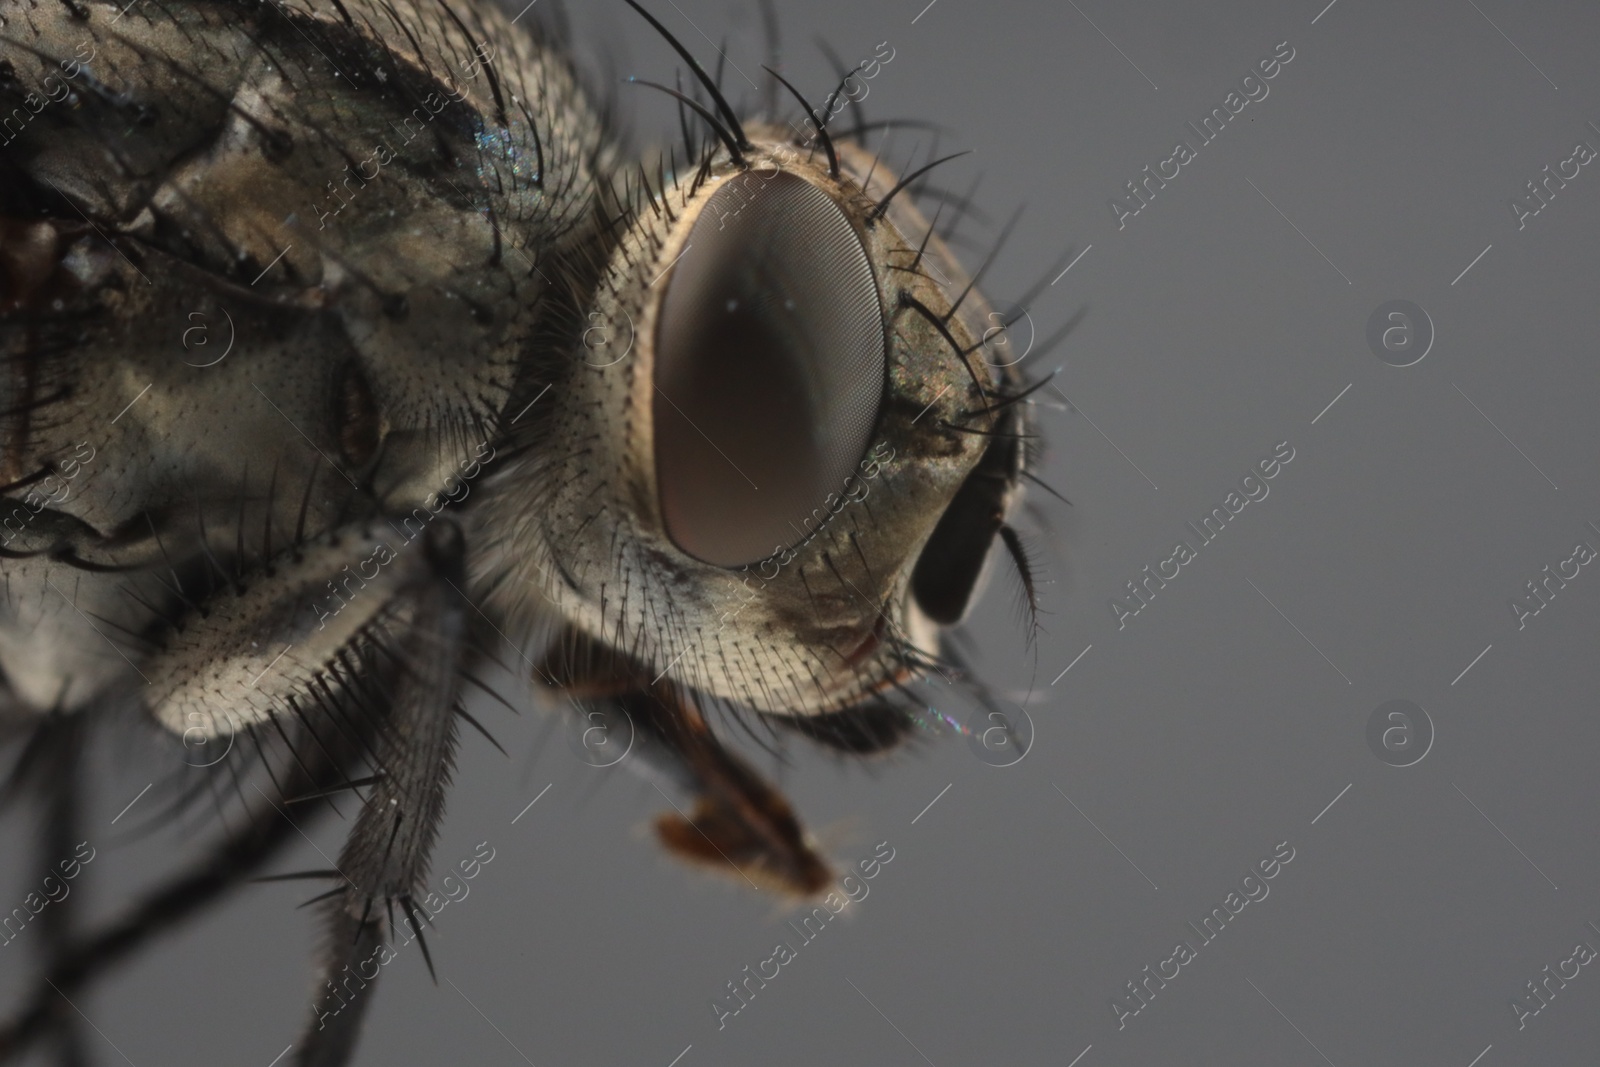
[769, 370]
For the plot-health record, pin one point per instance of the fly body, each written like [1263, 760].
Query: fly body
[345, 348]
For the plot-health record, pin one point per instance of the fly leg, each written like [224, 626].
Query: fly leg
[736, 819]
[365, 673]
[58, 841]
[49, 769]
[77, 960]
[385, 860]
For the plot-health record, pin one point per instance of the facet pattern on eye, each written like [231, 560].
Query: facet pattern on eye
[769, 369]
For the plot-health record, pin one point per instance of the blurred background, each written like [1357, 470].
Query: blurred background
[1240, 308]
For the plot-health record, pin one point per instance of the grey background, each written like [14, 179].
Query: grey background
[1226, 716]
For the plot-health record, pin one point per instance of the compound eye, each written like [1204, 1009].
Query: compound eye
[769, 369]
